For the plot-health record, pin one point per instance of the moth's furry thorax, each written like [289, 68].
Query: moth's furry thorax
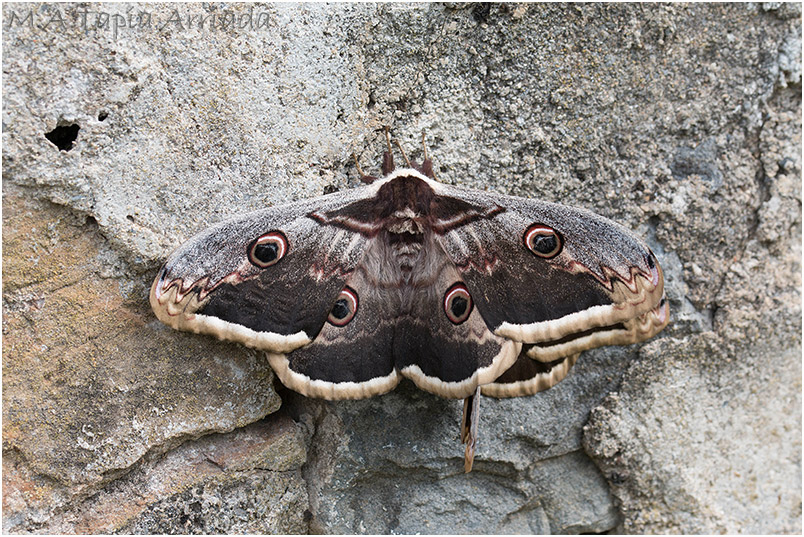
[402, 260]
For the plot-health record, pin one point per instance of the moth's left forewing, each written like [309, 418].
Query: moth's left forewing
[560, 278]
[266, 279]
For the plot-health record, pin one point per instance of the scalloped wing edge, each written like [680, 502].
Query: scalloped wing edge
[631, 331]
[631, 305]
[330, 390]
[177, 310]
[379, 385]
[533, 385]
[509, 351]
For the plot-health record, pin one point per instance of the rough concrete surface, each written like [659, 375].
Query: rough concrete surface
[128, 127]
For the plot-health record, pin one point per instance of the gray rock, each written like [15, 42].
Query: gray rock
[700, 161]
[247, 481]
[128, 127]
[395, 464]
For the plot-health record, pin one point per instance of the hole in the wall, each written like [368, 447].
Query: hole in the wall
[63, 136]
[102, 115]
[91, 223]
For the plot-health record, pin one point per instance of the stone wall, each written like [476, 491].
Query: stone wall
[128, 127]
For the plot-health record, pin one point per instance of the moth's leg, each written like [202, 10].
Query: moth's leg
[404, 156]
[469, 423]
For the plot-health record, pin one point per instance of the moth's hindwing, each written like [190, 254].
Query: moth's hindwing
[528, 376]
[351, 357]
[430, 333]
[445, 345]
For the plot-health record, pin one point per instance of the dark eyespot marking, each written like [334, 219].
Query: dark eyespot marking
[543, 241]
[345, 307]
[458, 303]
[268, 249]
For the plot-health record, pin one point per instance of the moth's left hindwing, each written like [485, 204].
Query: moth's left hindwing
[267, 279]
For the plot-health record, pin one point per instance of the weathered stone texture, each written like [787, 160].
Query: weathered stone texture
[681, 121]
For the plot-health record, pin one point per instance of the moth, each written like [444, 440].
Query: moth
[462, 291]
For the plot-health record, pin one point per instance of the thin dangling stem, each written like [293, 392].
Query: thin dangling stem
[465, 419]
[469, 427]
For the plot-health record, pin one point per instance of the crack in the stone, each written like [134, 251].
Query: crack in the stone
[762, 182]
